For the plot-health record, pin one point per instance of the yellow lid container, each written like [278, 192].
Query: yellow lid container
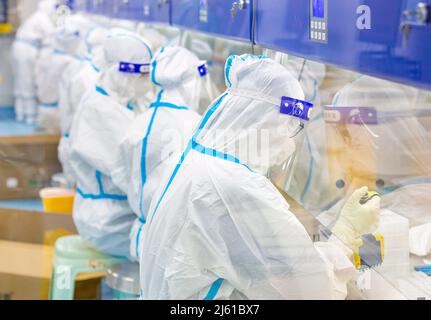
[57, 200]
[6, 28]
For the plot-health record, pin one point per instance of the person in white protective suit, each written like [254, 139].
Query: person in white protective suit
[68, 49]
[101, 211]
[156, 40]
[309, 183]
[218, 228]
[32, 35]
[72, 89]
[158, 136]
[75, 81]
[392, 153]
[80, 75]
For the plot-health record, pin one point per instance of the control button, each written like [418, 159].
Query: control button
[312, 24]
[320, 36]
[323, 25]
[319, 25]
[312, 34]
[324, 36]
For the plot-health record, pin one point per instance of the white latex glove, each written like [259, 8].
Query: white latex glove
[357, 219]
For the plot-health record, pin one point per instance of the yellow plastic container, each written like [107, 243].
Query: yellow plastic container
[57, 200]
[6, 28]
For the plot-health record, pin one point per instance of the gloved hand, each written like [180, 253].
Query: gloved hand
[357, 219]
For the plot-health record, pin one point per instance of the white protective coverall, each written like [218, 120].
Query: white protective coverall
[218, 228]
[101, 212]
[76, 80]
[35, 33]
[68, 49]
[156, 138]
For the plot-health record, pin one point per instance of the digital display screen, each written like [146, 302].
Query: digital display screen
[318, 8]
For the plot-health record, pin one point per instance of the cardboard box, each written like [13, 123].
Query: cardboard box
[27, 164]
[26, 255]
[25, 273]
[34, 227]
[25, 270]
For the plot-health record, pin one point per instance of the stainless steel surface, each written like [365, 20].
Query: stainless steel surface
[124, 278]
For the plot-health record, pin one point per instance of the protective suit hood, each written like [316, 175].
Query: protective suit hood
[157, 137]
[94, 46]
[48, 7]
[178, 73]
[251, 106]
[218, 230]
[70, 38]
[124, 86]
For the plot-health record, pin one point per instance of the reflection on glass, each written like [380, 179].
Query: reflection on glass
[371, 132]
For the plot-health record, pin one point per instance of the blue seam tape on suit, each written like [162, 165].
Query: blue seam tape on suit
[188, 149]
[156, 106]
[216, 154]
[162, 104]
[102, 91]
[101, 196]
[215, 287]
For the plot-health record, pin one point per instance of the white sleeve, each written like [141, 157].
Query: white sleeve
[265, 251]
[341, 266]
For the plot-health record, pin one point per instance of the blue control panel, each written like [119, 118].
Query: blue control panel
[319, 21]
[381, 38]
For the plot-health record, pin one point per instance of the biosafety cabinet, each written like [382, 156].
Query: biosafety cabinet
[232, 19]
[366, 67]
[389, 39]
[380, 38]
